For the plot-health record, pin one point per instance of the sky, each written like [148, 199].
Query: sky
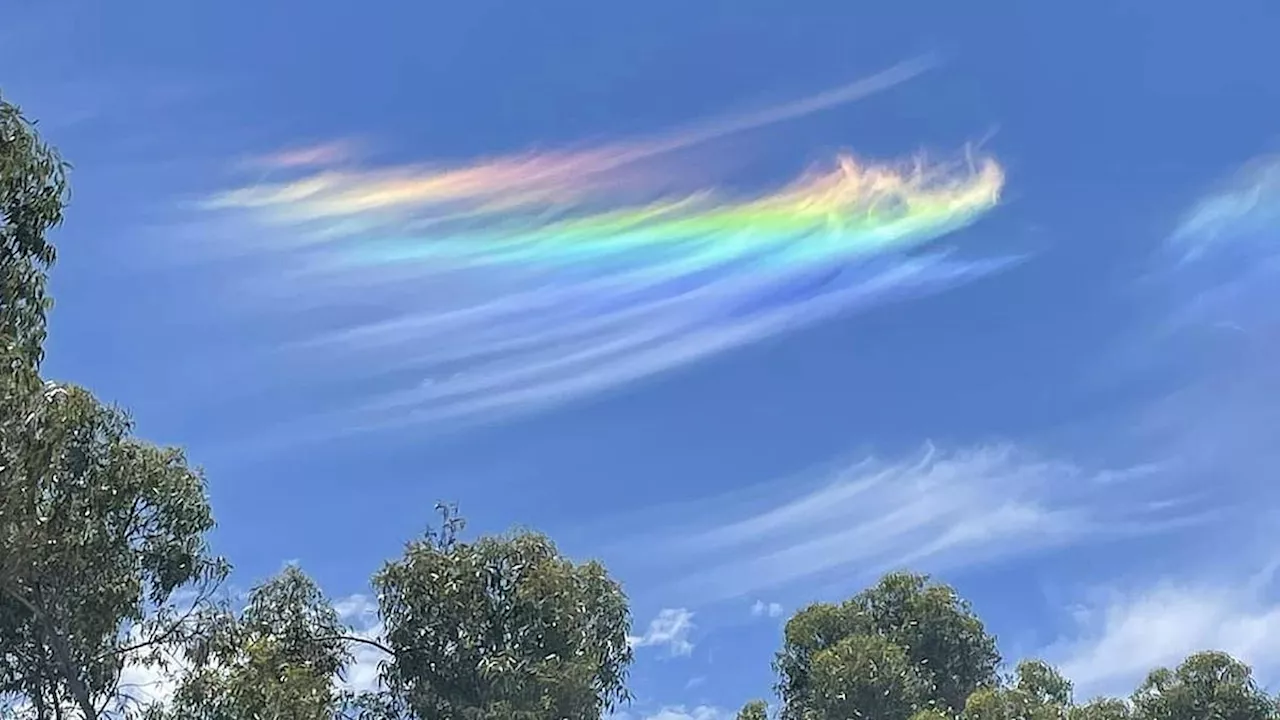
[751, 301]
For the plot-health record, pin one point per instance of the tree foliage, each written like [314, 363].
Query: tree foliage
[1102, 709]
[278, 659]
[939, 648]
[1206, 685]
[33, 193]
[908, 648]
[1037, 692]
[503, 627]
[754, 710]
[864, 675]
[99, 530]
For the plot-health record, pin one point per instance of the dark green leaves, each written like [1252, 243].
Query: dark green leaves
[754, 710]
[278, 659]
[503, 627]
[937, 648]
[1206, 685]
[97, 531]
[32, 196]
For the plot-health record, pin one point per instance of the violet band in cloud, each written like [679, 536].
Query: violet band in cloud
[567, 297]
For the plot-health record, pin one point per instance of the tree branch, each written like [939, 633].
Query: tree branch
[359, 640]
[61, 654]
[168, 633]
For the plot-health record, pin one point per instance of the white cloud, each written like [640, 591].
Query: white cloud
[681, 712]
[1121, 638]
[670, 628]
[361, 612]
[143, 684]
[356, 609]
[762, 609]
[935, 510]
[1213, 320]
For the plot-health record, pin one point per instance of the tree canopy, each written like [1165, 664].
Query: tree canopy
[503, 627]
[33, 193]
[924, 643]
[98, 529]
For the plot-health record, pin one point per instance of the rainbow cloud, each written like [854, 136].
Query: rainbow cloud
[522, 282]
[528, 179]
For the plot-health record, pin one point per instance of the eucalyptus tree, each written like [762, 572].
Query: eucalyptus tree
[501, 628]
[99, 530]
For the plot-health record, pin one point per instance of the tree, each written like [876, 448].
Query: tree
[1206, 685]
[864, 676]
[501, 628]
[1037, 692]
[278, 659]
[33, 193]
[754, 710]
[98, 530]
[1102, 709]
[939, 637]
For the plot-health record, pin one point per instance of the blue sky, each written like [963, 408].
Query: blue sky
[1083, 443]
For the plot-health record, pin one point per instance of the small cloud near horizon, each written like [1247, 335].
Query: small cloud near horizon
[1123, 635]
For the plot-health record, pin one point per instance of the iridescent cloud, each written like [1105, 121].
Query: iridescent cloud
[323, 154]
[516, 288]
[524, 179]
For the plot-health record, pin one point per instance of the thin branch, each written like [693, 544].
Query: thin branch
[359, 640]
[196, 604]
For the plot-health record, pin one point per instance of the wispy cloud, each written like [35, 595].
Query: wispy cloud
[699, 712]
[1117, 640]
[542, 177]
[762, 609]
[670, 629]
[536, 349]
[676, 712]
[1211, 295]
[318, 155]
[144, 683]
[1212, 298]
[937, 510]
[360, 612]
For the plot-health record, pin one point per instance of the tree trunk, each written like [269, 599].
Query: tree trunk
[70, 673]
[61, 656]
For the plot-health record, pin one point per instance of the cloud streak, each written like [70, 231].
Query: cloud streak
[527, 179]
[1216, 290]
[319, 155]
[938, 510]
